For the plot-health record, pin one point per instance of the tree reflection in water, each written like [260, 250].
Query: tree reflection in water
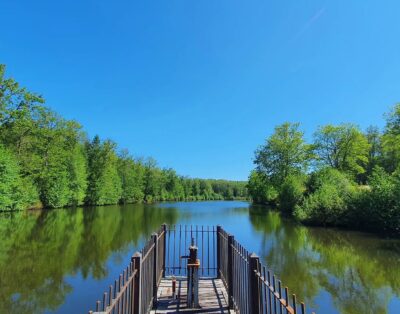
[361, 273]
[38, 249]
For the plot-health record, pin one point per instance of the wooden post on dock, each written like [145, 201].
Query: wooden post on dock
[255, 293]
[137, 260]
[164, 227]
[218, 252]
[154, 239]
[231, 239]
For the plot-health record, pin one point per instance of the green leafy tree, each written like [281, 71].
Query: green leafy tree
[391, 140]
[292, 193]
[284, 153]
[342, 147]
[152, 181]
[53, 151]
[77, 175]
[16, 192]
[127, 173]
[173, 185]
[206, 189]
[332, 192]
[380, 206]
[261, 190]
[374, 139]
[104, 183]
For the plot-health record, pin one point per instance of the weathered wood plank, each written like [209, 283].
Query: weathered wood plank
[213, 297]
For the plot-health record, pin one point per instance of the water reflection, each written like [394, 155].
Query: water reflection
[38, 249]
[61, 260]
[358, 272]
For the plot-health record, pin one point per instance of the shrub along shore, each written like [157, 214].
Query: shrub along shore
[344, 178]
[47, 161]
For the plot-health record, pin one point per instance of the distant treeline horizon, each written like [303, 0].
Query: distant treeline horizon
[48, 161]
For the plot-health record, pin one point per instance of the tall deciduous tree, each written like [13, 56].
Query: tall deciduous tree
[343, 147]
[284, 153]
[391, 140]
[104, 183]
[374, 139]
[16, 192]
[131, 174]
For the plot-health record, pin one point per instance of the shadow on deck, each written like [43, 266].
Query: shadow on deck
[213, 297]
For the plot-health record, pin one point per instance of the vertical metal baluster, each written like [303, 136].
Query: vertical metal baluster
[124, 300]
[104, 301]
[196, 241]
[236, 264]
[119, 291]
[280, 297]
[197, 235]
[180, 239]
[287, 299]
[243, 280]
[260, 285]
[294, 304]
[126, 291]
[246, 274]
[303, 308]
[174, 247]
[202, 250]
[265, 290]
[208, 250]
[269, 291]
[169, 247]
[214, 250]
[110, 295]
[129, 291]
[240, 276]
[184, 269]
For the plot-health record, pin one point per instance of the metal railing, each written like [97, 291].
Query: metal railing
[123, 296]
[251, 288]
[135, 291]
[178, 241]
[271, 299]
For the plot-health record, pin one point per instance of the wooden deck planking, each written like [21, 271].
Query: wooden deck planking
[213, 297]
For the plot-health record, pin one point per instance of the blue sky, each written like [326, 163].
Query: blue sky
[198, 85]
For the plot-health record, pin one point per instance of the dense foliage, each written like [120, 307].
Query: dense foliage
[345, 177]
[48, 161]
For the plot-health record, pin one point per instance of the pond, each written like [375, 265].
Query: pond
[60, 261]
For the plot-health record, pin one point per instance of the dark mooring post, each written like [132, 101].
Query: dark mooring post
[193, 266]
[218, 252]
[231, 240]
[154, 238]
[255, 293]
[164, 227]
[193, 277]
[137, 260]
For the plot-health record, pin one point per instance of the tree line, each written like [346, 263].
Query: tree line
[48, 161]
[346, 177]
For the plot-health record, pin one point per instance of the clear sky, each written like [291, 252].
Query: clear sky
[198, 85]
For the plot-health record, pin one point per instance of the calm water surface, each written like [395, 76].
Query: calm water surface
[61, 261]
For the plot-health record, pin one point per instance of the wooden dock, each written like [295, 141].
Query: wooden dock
[213, 297]
[223, 274]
